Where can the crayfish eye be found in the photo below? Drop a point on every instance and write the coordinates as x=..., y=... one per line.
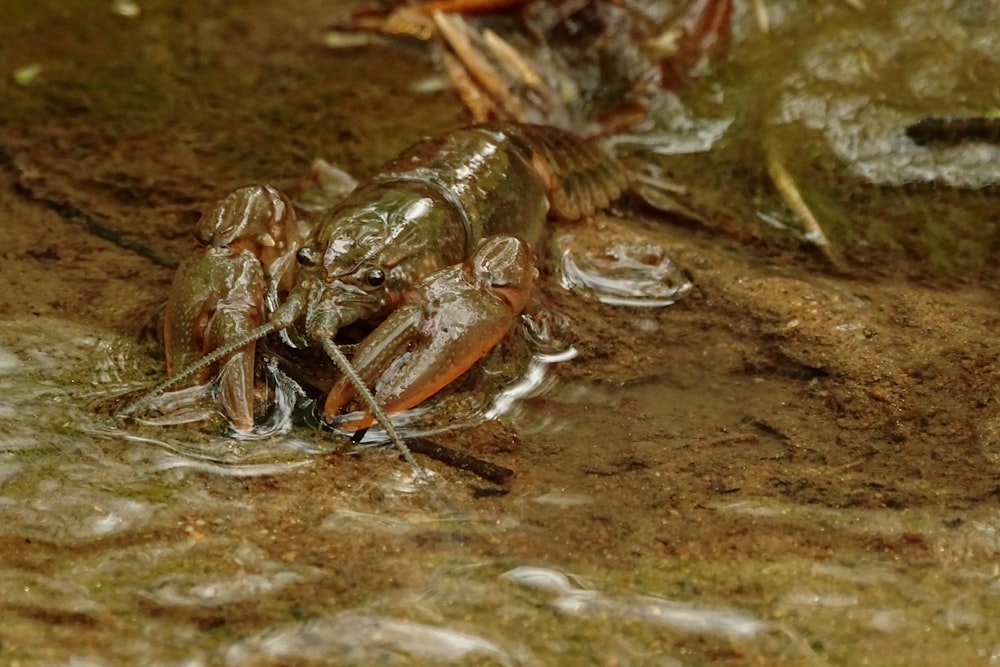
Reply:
x=307, y=257
x=374, y=277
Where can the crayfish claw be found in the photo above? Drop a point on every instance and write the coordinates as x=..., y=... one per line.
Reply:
x=453, y=318
x=236, y=391
x=218, y=299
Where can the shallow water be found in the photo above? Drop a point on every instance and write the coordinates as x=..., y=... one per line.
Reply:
x=113, y=513
x=786, y=466
x=160, y=554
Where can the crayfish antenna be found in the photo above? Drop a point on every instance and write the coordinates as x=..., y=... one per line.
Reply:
x=212, y=357
x=345, y=367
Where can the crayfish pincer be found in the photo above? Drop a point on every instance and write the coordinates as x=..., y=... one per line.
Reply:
x=433, y=258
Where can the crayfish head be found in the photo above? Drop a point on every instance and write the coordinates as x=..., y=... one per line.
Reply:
x=331, y=301
x=385, y=238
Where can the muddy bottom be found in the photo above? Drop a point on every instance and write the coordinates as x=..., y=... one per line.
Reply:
x=791, y=465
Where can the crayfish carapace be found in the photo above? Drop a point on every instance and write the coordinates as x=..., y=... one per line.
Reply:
x=435, y=255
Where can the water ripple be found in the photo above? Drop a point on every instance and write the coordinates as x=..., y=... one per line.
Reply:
x=199, y=591
x=678, y=616
x=365, y=639
x=65, y=513
x=26, y=591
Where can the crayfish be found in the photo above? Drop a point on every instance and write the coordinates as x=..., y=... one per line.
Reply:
x=434, y=258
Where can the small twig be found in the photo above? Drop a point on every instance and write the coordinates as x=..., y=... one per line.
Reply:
x=491, y=472
x=812, y=231
x=456, y=34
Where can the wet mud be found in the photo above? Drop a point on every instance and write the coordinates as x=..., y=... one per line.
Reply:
x=803, y=459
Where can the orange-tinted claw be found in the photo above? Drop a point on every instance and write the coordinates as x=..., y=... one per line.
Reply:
x=452, y=318
x=376, y=354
